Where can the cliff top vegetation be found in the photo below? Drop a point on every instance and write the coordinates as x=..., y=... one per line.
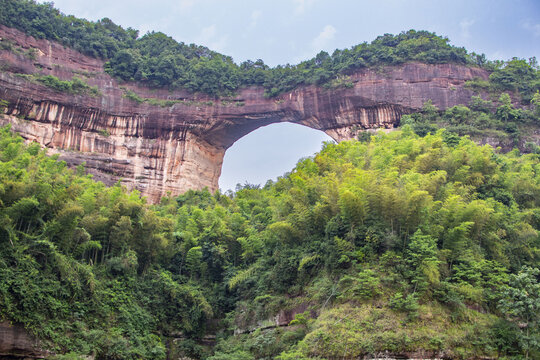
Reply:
x=158, y=60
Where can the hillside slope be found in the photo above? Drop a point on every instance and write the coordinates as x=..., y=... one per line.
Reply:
x=404, y=245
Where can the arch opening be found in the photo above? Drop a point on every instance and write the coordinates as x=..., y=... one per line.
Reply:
x=268, y=152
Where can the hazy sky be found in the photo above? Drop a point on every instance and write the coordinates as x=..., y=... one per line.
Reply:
x=288, y=31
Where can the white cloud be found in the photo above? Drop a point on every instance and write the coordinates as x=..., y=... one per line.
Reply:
x=210, y=37
x=184, y=5
x=465, y=26
x=255, y=16
x=319, y=43
x=534, y=28
x=498, y=55
x=324, y=37
x=302, y=5
x=207, y=34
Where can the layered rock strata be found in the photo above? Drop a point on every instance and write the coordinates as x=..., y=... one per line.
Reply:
x=17, y=343
x=175, y=141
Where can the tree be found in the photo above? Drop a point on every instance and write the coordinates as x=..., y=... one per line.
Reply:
x=506, y=112
x=521, y=303
x=422, y=258
x=534, y=101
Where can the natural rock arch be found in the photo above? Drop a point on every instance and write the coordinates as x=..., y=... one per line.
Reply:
x=177, y=141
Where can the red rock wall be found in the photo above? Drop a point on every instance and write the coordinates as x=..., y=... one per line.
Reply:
x=16, y=342
x=158, y=149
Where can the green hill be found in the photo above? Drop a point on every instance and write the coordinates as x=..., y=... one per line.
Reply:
x=401, y=243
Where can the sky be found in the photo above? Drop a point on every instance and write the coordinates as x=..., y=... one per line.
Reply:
x=289, y=31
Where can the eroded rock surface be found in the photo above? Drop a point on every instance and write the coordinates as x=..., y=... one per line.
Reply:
x=16, y=342
x=176, y=146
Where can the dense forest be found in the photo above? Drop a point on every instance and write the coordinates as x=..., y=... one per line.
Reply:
x=496, y=119
x=398, y=243
x=158, y=60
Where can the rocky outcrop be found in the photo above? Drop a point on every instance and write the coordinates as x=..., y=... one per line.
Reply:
x=17, y=343
x=177, y=140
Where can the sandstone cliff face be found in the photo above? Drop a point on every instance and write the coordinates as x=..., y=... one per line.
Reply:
x=179, y=146
x=16, y=343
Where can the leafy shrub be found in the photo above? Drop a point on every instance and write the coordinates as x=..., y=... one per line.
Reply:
x=363, y=286
x=408, y=305
x=73, y=86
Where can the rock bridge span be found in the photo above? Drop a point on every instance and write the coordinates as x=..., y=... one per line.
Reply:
x=159, y=141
